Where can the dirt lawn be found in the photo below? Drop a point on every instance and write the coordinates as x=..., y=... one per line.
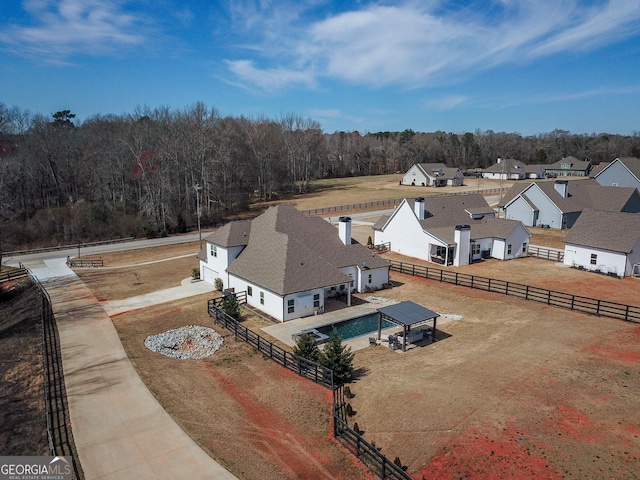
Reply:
x=512, y=389
x=258, y=420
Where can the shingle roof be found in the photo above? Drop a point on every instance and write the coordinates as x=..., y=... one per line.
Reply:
x=488, y=227
x=582, y=194
x=594, y=229
x=445, y=212
x=448, y=210
x=233, y=234
x=431, y=168
x=381, y=221
x=595, y=171
x=632, y=164
x=573, y=162
x=506, y=165
x=289, y=252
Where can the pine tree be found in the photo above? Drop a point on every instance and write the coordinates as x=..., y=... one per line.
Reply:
x=231, y=307
x=338, y=358
x=306, y=347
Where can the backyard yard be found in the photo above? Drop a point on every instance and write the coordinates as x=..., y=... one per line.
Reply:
x=512, y=389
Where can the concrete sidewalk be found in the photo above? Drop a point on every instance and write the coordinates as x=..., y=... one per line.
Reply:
x=120, y=430
x=185, y=290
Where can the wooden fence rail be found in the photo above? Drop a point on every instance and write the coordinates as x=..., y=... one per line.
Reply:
x=591, y=306
x=13, y=275
x=545, y=253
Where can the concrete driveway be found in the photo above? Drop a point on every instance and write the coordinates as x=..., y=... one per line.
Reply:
x=120, y=430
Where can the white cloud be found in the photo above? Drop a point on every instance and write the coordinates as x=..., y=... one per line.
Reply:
x=411, y=44
x=67, y=27
x=446, y=103
x=269, y=79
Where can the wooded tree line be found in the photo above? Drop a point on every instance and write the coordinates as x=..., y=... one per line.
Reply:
x=154, y=170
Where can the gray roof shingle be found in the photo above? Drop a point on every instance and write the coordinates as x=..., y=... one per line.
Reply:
x=288, y=252
x=595, y=229
x=582, y=194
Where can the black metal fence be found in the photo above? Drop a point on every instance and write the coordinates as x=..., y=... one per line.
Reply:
x=59, y=432
x=393, y=202
x=68, y=247
x=301, y=366
x=591, y=306
x=369, y=454
x=73, y=263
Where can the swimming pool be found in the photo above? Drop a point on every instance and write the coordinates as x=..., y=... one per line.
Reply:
x=354, y=327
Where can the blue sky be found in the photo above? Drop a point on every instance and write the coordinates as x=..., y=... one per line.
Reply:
x=526, y=66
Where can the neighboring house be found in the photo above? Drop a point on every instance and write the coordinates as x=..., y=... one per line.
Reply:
x=622, y=172
x=569, y=167
x=591, y=243
x=451, y=230
x=289, y=263
x=558, y=204
x=433, y=175
x=506, y=169
x=535, y=171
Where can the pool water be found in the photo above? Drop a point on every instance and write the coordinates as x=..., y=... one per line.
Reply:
x=354, y=327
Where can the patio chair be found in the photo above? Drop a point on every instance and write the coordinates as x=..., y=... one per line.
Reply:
x=373, y=342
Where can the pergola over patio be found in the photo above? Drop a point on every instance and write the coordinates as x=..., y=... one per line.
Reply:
x=407, y=315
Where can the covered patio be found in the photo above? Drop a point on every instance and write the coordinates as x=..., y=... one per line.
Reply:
x=407, y=315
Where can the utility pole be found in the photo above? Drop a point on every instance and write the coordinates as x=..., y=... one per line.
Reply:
x=197, y=188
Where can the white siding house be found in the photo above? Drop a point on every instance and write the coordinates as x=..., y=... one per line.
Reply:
x=289, y=263
x=454, y=230
x=590, y=245
x=433, y=175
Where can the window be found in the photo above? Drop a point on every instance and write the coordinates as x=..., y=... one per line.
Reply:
x=594, y=259
x=291, y=305
x=509, y=249
x=316, y=300
x=214, y=251
x=475, y=249
x=370, y=276
x=524, y=247
x=441, y=251
x=249, y=290
x=261, y=298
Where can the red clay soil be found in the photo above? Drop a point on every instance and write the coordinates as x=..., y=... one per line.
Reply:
x=294, y=452
x=568, y=433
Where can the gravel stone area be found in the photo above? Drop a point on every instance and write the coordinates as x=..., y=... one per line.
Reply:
x=192, y=342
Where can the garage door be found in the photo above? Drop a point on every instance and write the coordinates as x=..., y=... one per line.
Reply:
x=209, y=275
